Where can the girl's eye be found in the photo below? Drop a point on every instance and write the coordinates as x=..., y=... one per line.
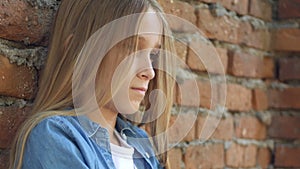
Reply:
x=154, y=55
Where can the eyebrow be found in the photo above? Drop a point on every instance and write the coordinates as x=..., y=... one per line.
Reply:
x=158, y=45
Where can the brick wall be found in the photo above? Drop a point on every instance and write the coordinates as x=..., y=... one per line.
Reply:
x=258, y=44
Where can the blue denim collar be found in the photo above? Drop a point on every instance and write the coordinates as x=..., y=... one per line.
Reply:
x=100, y=134
x=124, y=127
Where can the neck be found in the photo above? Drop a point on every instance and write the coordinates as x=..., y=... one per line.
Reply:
x=107, y=119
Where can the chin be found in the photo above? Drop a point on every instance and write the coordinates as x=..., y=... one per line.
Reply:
x=132, y=108
x=135, y=105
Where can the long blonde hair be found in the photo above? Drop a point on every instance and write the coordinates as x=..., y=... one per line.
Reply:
x=75, y=22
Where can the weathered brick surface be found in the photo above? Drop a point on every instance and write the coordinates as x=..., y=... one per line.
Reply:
x=182, y=10
x=216, y=128
x=286, y=39
x=239, y=98
x=175, y=157
x=284, y=99
x=222, y=28
x=22, y=22
x=260, y=59
x=287, y=156
x=207, y=58
x=16, y=81
x=261, y=9
x=241, y=156
x=288, y=9
x=247, y=65
x=186, y=93
x=179, y=130
x=249, y=127
x=263, y=157
x=259, y=99
x=185, y=96
x=208, y=1
x=285, y=127
x=204, y=156
x=181, y=50
x=289, y=69
x=10, y=119
x=259, y=38
x=240, y=6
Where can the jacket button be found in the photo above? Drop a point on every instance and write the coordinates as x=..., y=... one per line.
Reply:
x=124, y=136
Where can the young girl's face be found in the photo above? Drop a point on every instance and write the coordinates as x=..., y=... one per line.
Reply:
x=129, y=97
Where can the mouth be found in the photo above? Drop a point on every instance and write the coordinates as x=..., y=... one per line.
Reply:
x=140, y=90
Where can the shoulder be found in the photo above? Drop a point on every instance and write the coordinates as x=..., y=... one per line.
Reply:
x=52, y=137
x=54, y=130
x=55, y=125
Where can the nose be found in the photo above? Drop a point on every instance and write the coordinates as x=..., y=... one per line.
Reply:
x=147, y=73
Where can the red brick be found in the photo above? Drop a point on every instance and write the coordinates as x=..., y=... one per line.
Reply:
x=239, y=6
x=22, y=22
x=288, y=9
x=269, y=67
x=223, y=28
x=16, y=81
x=287, y=156
x=180, y=9
x=247, y=65
x=187, y=93
x=10, y=119
x=204, y=156
x=181, y=50
x=224, y=59
x=205, y=94
x=208, y=1
x=261, y=9
x=238, y=98
x=4, y=159
x=188, y=97
x=182, y=127
x=259, y=100
x=286, y=39
x=224, y=129
x=289, y=69
x=241, y=156
x=214, y=58
x=264, y=157
x=284, y=99
x=175, y=157
x=285, y=127
x=259, y=38
x=250, y=128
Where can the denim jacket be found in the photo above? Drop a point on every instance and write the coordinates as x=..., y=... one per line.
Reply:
x=69, y=142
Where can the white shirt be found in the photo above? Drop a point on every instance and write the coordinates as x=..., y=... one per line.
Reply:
x=122, y=155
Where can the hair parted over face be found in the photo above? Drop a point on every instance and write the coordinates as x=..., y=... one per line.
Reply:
x=131, y=70
x=129, y=95
x=144, y=68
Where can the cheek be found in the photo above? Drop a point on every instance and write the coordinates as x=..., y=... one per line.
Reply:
x=125, y=101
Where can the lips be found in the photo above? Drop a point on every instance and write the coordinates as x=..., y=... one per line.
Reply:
x=141, y=90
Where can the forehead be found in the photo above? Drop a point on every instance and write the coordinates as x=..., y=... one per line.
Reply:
x=150, y=28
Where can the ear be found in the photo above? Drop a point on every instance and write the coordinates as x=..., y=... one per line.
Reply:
x=67, y=41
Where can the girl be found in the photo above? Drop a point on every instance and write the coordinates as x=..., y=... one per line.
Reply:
x=65, y=130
